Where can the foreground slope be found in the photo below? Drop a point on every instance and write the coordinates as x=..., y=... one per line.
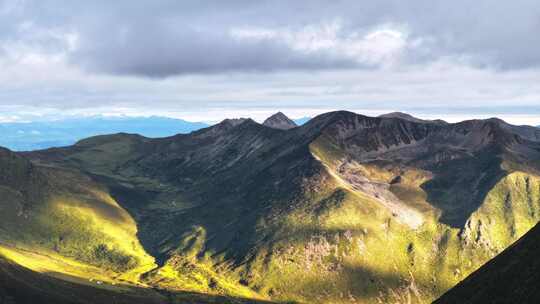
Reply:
x=19, y=285
x=511, y=277
x=346, y=208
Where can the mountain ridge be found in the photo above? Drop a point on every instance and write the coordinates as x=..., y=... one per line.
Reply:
x=406, y=116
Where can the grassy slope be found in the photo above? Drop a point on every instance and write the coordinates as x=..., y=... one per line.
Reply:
x=60, y=222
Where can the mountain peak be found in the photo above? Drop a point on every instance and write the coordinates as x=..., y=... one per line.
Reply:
x=279, y=121
x=409, y=117
x=233, y=122
x=221, y=127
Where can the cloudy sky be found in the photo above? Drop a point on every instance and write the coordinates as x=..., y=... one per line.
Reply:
x=207, y=60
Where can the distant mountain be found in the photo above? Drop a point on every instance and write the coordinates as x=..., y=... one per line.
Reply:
x=279, y=121
x=511, y=277
x=343, y=209
x=46, y=134
x=409, y=117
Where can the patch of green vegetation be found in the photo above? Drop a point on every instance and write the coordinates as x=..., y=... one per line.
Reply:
x=327, y=151
x=510, y=209
x=79, y=223
x=78, y=237
x=192, y=269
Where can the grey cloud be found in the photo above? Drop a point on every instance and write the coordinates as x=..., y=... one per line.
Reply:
x=164, y=38
x=186, y=50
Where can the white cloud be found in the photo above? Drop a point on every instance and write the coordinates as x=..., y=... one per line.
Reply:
x=377, y=46
x=9, y=118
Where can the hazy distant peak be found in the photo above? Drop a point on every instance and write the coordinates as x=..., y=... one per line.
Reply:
x=279, y=121
x=409, y=117
x=401, y=115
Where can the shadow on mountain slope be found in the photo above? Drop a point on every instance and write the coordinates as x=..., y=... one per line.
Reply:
x=511, y=277
x=19, y=285
x=460, y=186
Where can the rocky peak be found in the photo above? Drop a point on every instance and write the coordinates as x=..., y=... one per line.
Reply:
x=279, y=121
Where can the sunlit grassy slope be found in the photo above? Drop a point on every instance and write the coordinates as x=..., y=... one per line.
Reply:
x=71, y=219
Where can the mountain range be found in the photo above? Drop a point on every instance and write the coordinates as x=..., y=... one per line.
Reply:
x=25, y=136
x=345, y=208
x=36, y=135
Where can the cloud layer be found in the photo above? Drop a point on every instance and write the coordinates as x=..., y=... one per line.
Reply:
x=223, y=55
x=165, y=38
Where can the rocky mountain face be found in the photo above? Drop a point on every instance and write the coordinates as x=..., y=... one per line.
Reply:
x=511, y=277
x=343, y=209
x=279, y=121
